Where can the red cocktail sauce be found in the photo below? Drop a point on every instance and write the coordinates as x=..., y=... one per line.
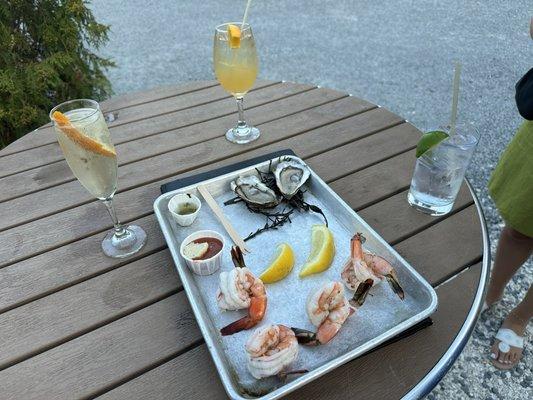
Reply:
x=214, y=248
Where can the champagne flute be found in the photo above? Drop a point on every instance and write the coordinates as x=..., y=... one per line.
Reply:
x=83, y=136
x=235, y=63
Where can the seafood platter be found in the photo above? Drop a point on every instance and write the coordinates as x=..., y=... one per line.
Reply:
x=314, y=286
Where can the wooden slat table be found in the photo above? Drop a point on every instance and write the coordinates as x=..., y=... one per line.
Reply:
x=75, y=324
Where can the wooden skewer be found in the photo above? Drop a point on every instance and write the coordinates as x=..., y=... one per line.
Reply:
x=237, y=239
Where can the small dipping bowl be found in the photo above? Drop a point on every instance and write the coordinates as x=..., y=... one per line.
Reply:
x=209, y=265
x=183, y=201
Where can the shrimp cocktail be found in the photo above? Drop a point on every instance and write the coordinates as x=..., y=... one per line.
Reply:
x=83, y=136
x=235, y=63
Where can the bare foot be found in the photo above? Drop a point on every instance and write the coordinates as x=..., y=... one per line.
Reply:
x=507, y=360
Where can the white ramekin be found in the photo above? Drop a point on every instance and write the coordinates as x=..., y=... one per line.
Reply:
x=208, y=266
x=180, y=198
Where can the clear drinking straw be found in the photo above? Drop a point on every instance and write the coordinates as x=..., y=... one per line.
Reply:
x=455, y=97
x=245, y=14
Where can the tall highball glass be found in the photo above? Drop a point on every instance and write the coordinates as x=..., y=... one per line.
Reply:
x=439, y=172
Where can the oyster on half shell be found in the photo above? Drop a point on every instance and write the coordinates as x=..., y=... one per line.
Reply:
x=254, y=192
x=290, y=174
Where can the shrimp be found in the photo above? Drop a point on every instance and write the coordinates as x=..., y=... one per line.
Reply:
x=270, y=350
x=364, y=270
x=240, y=289
x=328, y=309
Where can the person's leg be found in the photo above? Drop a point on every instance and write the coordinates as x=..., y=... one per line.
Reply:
x=513, y=250
x=517, y=321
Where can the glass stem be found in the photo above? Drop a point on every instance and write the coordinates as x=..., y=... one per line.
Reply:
x=240, y=106
x=119, y=229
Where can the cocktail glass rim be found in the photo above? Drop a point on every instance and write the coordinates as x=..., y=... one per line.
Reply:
x=463, y=126
x=223, y=28
x=467, y=128
x=81, y=118
x=462, y=129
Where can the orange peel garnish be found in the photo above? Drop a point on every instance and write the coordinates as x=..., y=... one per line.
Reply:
x=76, y=136
x=234, y=34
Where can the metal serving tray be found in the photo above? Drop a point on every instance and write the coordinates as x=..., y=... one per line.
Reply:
x=382, y=317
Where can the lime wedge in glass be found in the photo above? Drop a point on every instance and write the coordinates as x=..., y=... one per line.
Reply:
x=430, y=140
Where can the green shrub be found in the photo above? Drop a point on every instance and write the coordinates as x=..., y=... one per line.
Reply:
x=46, y=57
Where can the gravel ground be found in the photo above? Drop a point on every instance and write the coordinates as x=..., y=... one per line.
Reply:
x=398, y=54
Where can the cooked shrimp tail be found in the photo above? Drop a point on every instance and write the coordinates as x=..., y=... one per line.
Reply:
x=305, y=337
x=256, y=313
x=356, y=249
x=360, y=294
x=237, y=257
x=283, y=374
x=395, y=285
x=237, y=326
x=383, y=268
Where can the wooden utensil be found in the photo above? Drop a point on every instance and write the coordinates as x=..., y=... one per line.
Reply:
x=237, y=239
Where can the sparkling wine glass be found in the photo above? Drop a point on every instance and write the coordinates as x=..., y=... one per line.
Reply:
x=235, y=63
x=83, y=136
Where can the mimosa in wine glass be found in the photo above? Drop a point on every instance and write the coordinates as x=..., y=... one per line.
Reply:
x=83, y=136
x=235, y=63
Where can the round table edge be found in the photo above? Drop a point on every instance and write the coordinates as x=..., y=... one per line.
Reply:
x=434, y=376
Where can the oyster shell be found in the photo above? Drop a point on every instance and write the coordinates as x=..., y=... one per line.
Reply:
x=290, y=176
x=254, y=192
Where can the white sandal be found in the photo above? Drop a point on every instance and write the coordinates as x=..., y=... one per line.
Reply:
x=508, y=338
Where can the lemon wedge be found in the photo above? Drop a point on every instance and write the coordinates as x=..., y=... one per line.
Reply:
x=82, y=140
x=281, y=266
x=234, y=34
x=322, y=251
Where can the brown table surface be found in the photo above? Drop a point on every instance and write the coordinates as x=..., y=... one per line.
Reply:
x=75, y=324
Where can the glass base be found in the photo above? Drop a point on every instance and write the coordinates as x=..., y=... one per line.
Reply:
x=123, y=246
x=431, y=209
x=243, y=135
